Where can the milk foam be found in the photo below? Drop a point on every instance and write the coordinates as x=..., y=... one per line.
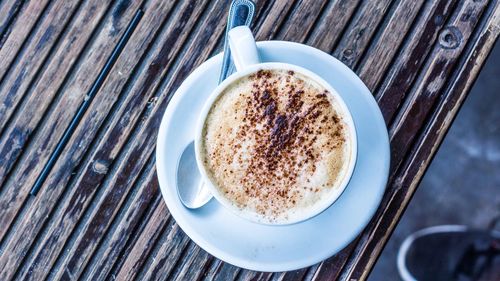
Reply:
x=276, y=145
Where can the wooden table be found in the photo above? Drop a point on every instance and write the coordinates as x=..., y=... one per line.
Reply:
x=99, y=214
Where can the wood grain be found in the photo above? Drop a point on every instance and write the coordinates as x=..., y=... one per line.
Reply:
x=11, y=10
x=360, y=30
x=19, y=78
x=329, y=27
x=331, y=268
x=273, y=20
x=451, y=42
x=400, y=77
x=97, y=170
x=387, y=44
x=431, y=137
x=15, y=192
x=399, y=192
x=15, y=189
x=120, y=234
x=301, y=20
x=19, y=32
x=141, y=249
x=100, y=214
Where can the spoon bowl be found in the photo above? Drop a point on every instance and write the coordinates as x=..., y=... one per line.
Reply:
x=190, y=186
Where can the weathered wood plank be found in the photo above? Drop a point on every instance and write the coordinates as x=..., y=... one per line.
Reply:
x=91, y=177
x=8, y=13
x=330, y=269
x=163, y=260
x=311, y=271
x=301, y=20
x=395, y=184
x=212, y=269
x=21, y=128
x=299, y=274
x=20, y=76
x=125, y=163
x=15, y=192
x=361, y=29
x=136, y=155
x=386, y=45
x=83, y=20
x=141, y=249
x=421, y=99
x=224, y=272
x=412, y=171
x=139, y=211
x=247, y=275
x=86, y=20
x=273, y=19
x=384, y=203
x=123, y=174
x=18, y=34
x=97, y=226
x=127, y=248
x=71, y=263
x=400, y=77
x=330, y=27
x=262, y=9
x=192, y=265
x=146, y=192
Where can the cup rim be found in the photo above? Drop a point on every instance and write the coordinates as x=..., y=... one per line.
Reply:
x=324, y=204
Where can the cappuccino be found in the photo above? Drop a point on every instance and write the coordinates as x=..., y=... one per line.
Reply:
x=275, y=144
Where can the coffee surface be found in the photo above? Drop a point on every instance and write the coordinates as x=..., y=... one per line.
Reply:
x=275, y=144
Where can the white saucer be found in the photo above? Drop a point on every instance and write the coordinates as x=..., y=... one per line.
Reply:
x=278, y=248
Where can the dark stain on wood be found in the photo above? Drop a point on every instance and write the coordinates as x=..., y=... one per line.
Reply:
x=45, y=37
x=118, y=11
x=8, y=18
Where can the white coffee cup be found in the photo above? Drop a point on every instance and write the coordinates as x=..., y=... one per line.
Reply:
x=246, y=59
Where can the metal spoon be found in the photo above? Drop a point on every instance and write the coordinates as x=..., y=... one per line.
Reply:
x=190, y=186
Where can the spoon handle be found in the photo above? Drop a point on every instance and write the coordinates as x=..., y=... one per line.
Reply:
x=241, y=12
